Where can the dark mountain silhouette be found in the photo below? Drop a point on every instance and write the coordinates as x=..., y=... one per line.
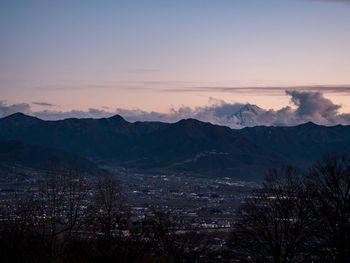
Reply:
x=188, y=146
x=203, y=148
x=303, y=143
x=96, y=138
x=16, y=154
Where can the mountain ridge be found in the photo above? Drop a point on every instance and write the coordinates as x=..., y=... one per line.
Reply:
x=188, y=146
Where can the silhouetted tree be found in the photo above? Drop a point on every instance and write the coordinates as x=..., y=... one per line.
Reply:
x=109, y=208
x=60, y=208
x=329, y=189
x=159, y=229
x=276, y=222
x=48, y=212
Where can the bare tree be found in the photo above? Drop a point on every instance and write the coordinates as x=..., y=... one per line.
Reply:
x=59, y=207
x=108, y=208
x=276, y=222
x=329, y=187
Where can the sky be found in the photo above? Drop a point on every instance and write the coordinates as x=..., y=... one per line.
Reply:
x=163, y=56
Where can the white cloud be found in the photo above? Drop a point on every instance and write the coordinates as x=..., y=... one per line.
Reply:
x=10, y=109
x=307, y=106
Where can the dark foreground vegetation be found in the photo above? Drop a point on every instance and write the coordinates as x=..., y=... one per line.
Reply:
x=294, y=217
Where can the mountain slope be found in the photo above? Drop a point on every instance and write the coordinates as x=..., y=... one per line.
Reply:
x=20, y=154
x=303, y=143
x=188, y=146
x=95, y=138
x=194, y=146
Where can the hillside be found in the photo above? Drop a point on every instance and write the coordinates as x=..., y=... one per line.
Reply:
x=188, y=146
x=16, y=154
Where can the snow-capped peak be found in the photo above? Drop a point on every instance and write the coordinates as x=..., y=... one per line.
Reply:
x=247, y=115
x=251, y=108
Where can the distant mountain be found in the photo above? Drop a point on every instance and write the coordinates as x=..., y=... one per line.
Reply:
x=247, y=116
x=188, y=146
x=95, y=138
x=303, y=143
x=16, y=154
x=196, y=147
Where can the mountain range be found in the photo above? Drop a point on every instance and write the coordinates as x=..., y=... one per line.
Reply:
x=188, y=146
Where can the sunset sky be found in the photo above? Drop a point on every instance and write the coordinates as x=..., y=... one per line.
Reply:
x=157, y=55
